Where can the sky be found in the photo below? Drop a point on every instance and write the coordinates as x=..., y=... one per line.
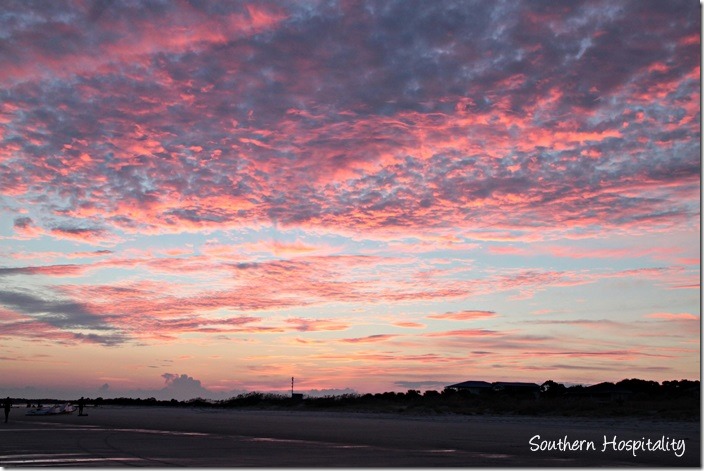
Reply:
x=199, y=199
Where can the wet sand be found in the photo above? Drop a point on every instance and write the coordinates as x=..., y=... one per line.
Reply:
x=175, y=437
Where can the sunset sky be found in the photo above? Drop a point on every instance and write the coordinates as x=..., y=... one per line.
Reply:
x=204, y=198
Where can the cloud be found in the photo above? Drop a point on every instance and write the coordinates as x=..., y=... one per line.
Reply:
x=24, y=226
x=91, y=41
x=410, y=325
x=612, y=354
x=464, y=315
x=183, y=387
x=427, y=138
x=253, y=169
x=369, y=338
x=53, y=318
x=670, y=316
x=86, y=235
x=225, y=305
x=50, y=270
x=306, y=325
x=465, y=333
x=56, y=312
x=584, y=323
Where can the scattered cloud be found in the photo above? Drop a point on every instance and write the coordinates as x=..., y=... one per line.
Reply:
x=305, y=325
x=670, y=316
x=464, y=315
x=264, y=175
x=369, y=338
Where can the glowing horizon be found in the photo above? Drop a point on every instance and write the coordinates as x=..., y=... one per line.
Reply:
x=368, y=196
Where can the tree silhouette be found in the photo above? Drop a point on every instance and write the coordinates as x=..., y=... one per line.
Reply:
x=551, y=389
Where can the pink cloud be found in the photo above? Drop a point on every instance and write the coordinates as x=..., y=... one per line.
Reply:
x=510, y=250
x=190, y=30
x=309, y=325
x=465, y=333
x=83, y=234
x=464, y=315
x=49, y=270
x=669, y=316
x=25, y=227
x=612, y=354
x=370, y=338
x=410, y=325
x=396, y=183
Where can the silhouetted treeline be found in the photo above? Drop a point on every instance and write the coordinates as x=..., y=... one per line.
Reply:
x=629, y=397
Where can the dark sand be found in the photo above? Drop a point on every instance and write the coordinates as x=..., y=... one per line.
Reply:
x=175, y=437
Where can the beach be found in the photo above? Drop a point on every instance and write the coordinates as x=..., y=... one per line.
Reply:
x=205, y=437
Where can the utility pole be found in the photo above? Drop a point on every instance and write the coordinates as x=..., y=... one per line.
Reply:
x=291, y=386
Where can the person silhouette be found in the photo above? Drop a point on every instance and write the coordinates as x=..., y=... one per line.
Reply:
x=7, y=406
x=81, y=403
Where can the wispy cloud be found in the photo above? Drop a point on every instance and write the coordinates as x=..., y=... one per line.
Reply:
x=464, y=315
x=305, y=325
x=671, y=316
x=369, y=338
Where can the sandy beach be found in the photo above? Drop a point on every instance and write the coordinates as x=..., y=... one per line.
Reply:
x=156, y=436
